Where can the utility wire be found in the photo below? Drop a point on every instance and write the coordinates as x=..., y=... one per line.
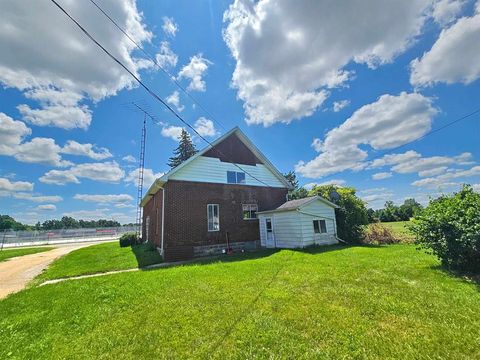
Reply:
x=477, y=111
x=151, y=92
x=154, y=60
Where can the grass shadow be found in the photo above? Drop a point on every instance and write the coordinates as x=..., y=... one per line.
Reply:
x=468, y=277
x=146, y=254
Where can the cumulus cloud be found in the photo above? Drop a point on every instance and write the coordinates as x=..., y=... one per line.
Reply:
x=376, y=197
x=129, y=158
x=57, y=66
x=339, y=105
x=74, y=148
x=173, y=132
x=148, y=177
x=289, y=56
x=105, y=199
x=194, y=72
x=442, y=63
x=446, y=11
x=169, y=26
x=104, y=172
x=174, y=99
x=12, y=186
x=387, y=123
x=381, y=175
x=166, y=57
x=338, y=182
x=450, y=178
x=205, y=127
x=46, y=207
x=37, y=198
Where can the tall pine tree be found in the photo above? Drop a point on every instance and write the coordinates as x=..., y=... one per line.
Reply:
x=185, y=150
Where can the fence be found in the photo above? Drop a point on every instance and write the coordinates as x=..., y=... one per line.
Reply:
x=10, y=238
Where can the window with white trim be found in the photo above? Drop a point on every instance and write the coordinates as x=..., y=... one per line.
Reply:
x=213, y=217
x=249, y=211
x=235, y=177
x=319, y=227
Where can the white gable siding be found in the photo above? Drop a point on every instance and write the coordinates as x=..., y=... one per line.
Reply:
x=212, y=170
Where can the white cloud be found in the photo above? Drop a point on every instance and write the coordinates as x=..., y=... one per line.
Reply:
x=74, y=148
x=37, y=198
x=103, y=172
x=387, y=123
x=57, y=66
x=194, y=72
x=40, y=151
x=205, y=127
x=169, y=26
x=148, y=177
x=446, y=11
x=455, y=56
x=476, y=187
x=12, y=186
x=376, y=197
x=289, y=56
x=104, y=199
x=129, y=158
x=172, y=132
x=450, y=178
x=166, y=57
x=339, y=105
x=381, y=175
x=338, y=182
x=174, y=99
x=46, y=207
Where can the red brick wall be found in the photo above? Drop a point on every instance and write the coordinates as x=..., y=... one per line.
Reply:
x=186, y=211
x=153, y=209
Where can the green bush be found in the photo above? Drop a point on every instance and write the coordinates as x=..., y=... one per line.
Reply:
x=378, y=234
x=450, y=227
x=128, y=239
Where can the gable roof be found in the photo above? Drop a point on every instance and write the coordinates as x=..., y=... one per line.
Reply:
x=245, y=140
x=298, y=203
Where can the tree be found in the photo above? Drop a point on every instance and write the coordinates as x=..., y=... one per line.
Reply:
x=409, y=209
x=351, y=214
x=297, y=192
x=450, y=227
x=184, y=151
x=9, y=223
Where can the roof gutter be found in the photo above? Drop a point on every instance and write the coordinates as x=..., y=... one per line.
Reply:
x=157, y=185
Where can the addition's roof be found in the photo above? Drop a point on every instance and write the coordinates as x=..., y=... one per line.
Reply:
x=298, y=203
x=157, y=185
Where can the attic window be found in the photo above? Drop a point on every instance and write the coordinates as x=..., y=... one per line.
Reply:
x=235, y=177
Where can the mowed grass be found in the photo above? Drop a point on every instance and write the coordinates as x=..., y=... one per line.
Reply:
x=336, y=302
x=399, y=227
x=100, y=258
x=10, y=253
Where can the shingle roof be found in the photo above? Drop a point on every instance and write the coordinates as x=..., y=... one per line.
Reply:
x=295, y=204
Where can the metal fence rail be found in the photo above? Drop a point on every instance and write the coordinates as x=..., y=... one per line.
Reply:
x=10, y=238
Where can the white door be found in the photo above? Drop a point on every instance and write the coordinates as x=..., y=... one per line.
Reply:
x=269, y=230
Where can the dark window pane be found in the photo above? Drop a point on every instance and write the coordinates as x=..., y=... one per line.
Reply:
x=316, y=227
x=268, y=223
x=323, y=226
x=240, y=178
x=231, y=177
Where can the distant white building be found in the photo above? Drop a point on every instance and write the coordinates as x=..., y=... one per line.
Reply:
x=299, y=223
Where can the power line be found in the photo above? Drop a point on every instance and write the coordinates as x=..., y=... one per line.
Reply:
x=154, y=60
x=431, y=132
x=151, y=92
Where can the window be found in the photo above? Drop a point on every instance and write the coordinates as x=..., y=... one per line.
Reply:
x=234, y=177
x=268, y=223
x=213, y=218
x=319, y=227
x=249, y=211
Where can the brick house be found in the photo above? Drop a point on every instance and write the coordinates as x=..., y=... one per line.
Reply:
x=211, y=199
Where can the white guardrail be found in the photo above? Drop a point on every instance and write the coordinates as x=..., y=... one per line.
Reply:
x=9, y=238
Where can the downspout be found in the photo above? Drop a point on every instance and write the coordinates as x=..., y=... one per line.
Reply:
x=163, y=219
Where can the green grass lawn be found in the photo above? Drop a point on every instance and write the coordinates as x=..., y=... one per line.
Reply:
x=100, y=258
x=399, y=227
x=9, y=253
x=337, y=302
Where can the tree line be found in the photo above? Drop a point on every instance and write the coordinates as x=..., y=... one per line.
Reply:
x=9, y=223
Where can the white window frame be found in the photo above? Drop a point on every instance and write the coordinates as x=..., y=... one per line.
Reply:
x=249, y=208
x=213, y=220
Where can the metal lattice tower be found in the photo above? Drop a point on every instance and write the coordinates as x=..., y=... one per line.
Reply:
x=141, y=170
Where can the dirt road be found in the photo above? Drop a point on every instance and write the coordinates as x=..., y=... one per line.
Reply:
x=16, y=272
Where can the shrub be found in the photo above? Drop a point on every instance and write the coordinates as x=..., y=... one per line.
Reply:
x=378, y=234
x=128, y=239
x=450, y=227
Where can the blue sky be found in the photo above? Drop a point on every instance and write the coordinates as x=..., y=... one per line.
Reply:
x=337, y=92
